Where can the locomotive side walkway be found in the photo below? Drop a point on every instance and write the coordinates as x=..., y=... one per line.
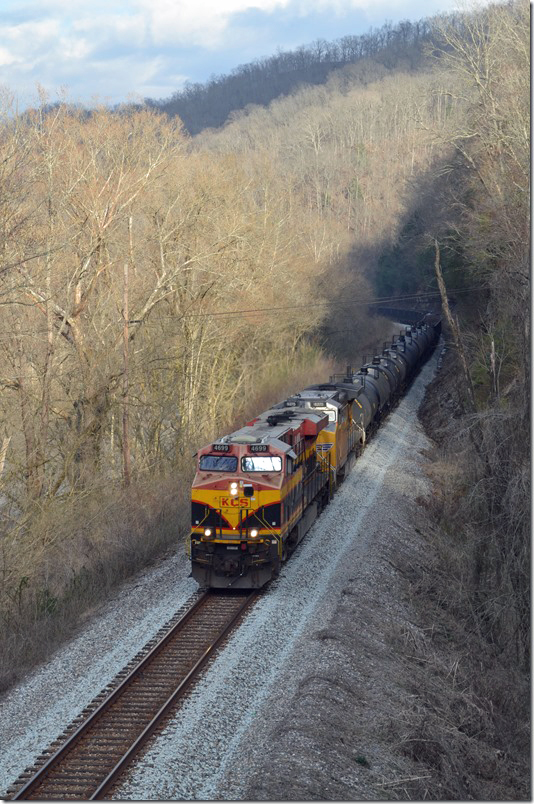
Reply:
x=297, y=706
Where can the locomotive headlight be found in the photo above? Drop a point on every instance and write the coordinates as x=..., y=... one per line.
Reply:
x=233, y=488
x=253, y=533
x=207, y=532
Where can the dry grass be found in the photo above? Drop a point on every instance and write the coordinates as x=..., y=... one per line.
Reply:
x=482, y=501
x=466, y=715
x=71, y=553
x=464, y=720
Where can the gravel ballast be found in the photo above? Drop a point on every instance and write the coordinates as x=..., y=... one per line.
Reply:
x=296, y=706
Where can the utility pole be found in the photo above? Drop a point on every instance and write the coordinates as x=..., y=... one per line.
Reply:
x=125, y=386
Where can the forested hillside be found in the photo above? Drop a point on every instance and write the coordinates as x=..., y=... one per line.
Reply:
x=159, y=288
x=388, y=48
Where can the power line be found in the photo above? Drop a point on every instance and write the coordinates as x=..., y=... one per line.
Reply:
x=354, y=302
x=351, y=302
x=347, y=303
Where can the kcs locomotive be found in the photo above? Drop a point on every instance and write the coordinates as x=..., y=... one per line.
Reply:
x=258, y=490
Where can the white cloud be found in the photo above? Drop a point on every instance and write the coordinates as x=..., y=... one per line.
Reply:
x=118, y=28
x=29, y=34
x=198, y=22
x=72, y=48
x=6, y=57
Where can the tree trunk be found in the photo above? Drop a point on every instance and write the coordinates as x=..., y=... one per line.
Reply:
x=455, y=330
x=126, y=410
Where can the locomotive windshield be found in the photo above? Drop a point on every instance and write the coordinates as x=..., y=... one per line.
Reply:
x=261, y=463
x=218, y=463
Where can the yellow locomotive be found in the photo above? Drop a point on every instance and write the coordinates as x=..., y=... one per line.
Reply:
x=255, y=494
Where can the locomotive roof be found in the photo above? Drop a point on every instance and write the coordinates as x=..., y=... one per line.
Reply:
x=315, y=393
x=311, y=398
x=272, y=424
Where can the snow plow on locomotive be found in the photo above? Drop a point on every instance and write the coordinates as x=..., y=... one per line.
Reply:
x=258, y=490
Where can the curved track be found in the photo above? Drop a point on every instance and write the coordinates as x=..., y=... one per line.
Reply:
x=92, y=758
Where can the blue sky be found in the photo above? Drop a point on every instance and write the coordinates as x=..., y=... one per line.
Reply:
x=120, y=50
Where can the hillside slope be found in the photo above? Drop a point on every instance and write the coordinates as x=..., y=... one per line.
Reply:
x=210, y=105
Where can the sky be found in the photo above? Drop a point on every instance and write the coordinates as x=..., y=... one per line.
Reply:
x=115, y=51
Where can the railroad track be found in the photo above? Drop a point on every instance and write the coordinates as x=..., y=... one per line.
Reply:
x=96, y=751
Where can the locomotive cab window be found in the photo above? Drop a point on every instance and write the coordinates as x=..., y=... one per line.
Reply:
x=261, y=463
x=218, y=463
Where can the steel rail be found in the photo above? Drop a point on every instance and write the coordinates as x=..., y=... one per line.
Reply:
x=72, y=741
x=167, y=706
x=114, y=695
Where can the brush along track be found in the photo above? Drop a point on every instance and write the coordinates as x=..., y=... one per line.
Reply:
x=95, y=754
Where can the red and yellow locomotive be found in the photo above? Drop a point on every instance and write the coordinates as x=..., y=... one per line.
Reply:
x=255, y=494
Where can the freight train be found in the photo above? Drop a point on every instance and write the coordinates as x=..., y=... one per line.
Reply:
x=258, y=490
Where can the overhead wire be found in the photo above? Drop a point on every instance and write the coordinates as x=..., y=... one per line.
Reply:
x=348, y=303
x=354, y=302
